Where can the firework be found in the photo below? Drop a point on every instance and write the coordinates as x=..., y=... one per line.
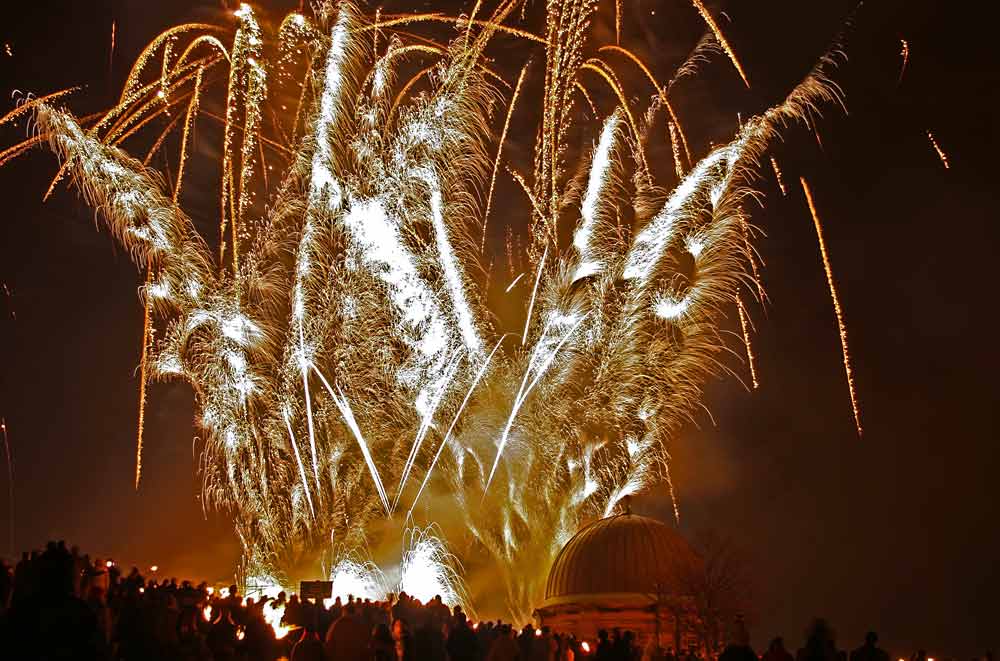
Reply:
x=904, y=53
x=937, y=150
x=10, y=486
x=714, y=27
x=111, y=51
x=336, y=332
x=778, y=176
x=745, y=327
x=841, y=326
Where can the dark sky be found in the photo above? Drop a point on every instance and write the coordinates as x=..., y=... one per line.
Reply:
x=897, y=531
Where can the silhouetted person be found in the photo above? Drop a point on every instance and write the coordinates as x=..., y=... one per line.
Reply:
x=605, y=650
x=402, y=640
x=776, y=651
x=504, y=647
x=525, y=642
x=51, y=622
x=462, y=642
x=738, y=648
x=308, y=648
x=870, y=650
x=347, y=639
x=381, y=647
x=820, y=645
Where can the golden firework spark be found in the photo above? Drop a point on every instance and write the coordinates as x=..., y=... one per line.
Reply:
x=904, y=52
x=745, y=327
x=496, y=161
x=778, y=176
x=937, y=149
x=841, y=326
x=714, y=27
x=143, y=376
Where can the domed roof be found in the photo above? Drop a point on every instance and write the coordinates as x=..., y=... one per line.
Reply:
x=623, y=554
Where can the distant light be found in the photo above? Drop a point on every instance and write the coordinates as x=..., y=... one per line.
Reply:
x=210, y=591
x=161, y=94
x=154, y=568
x=538, y=633
x=585, y=646
x=109, y=564
x=142, y=590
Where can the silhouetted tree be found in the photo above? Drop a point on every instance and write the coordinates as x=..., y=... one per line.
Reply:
x=720, y=586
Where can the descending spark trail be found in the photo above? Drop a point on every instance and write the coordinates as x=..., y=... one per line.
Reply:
x=714, y=27
x=298, y=461
x=513, y=283
x=451, y=428
x=745, y=327
x=937, y=149
x=348, y=415
x=143, y=375
x=10, y=487
x=778, y=176
x=111, y=52
x=904, y=52
x=503, y=138
x=522, y=395
x=534, y=293
x=836, y=304
x=351, y=249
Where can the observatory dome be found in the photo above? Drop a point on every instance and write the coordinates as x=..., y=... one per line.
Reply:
x=622, y=555
x=622, y=571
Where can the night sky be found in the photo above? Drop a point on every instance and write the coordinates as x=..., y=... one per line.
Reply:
x=896, y=531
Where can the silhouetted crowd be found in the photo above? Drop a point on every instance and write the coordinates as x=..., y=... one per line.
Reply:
x=59, y=604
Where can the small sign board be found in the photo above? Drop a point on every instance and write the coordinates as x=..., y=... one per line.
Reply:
x=315, y=590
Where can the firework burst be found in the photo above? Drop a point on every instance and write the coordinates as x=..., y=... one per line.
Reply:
x=347, y=366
